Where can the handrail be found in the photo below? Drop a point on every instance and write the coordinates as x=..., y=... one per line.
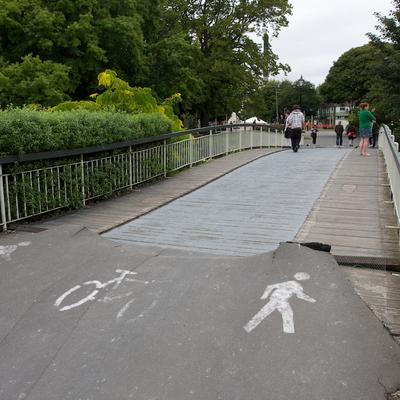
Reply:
x=47, y=155
x=390, y=149
x=393, y=144
x=38, y=190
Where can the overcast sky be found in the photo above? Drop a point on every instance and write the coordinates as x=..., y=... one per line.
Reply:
x=320, y=31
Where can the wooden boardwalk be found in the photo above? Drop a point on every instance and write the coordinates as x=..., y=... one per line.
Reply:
x=107, y=214
x=354, y=213
x=248, y=212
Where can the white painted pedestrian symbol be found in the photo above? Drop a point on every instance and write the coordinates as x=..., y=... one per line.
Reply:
x=279, y=300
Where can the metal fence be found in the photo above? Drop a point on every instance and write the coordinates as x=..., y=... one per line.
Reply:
x=32, y=192
x=390, y=149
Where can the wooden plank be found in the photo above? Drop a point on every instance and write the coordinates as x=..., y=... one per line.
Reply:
x=352, y=214
x=249, y=211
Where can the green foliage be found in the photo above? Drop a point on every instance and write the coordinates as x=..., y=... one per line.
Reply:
x=199, y=49
x=24, y=131
x=386, y=91
x=118, y=96
x=174, y=62
x=262, y=102
x=230, y=64
x=87, y=36
x=351, y=77
x=77, y=105
x=33, y=81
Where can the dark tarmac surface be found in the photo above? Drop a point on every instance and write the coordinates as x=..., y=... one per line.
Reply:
x=176, y=329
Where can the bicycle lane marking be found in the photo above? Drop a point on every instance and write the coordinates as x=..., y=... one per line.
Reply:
x=99, y=285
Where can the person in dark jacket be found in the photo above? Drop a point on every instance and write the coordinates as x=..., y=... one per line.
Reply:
x=339, y=133
x=375, y=134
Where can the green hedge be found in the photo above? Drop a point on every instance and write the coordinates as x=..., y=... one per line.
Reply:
x=25, y=131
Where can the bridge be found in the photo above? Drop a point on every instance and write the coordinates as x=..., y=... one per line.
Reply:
x=200, y=243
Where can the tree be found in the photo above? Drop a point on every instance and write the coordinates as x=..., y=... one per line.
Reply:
x=87, y=36
x=231, y=64
x=386, y=90
x=33, y=81
x=173, y=68
x=351, y=77
x=262, y=102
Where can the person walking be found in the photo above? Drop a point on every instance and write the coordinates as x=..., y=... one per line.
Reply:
x=366, y=119
x=339, y=134
x=375, y=134
x=286, y=141
x=295, y=122
x=314, y=133
x=351, y=133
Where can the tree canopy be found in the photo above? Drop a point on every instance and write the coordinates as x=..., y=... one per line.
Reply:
x=351, y=77
x=262, y=102
x=204, y=49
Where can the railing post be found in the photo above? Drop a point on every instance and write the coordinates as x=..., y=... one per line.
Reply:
x=210, y=144
x=130, y=168
x=226, y=143
x=2, y=201
x=261, y=132
x=240, y=139
x=251, y=138
x=165, y=158
x=83, y=180
x=191, y=151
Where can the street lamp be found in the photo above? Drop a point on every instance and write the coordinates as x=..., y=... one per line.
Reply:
x=300, y=84
x=276, y=104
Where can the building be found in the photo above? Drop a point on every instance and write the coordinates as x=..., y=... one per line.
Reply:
x=332, y=114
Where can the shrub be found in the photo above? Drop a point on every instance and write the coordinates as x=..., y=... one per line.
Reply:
x=26, y=131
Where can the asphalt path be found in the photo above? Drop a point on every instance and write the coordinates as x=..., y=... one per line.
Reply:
x=83, y=318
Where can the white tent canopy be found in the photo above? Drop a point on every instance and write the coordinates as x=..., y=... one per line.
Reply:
x=256, y=119
x=234, y=119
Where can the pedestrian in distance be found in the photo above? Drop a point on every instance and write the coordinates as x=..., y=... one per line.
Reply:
x=339, y=134
x=351, y=133
x=287, y=141
x=314, y=133
x=295, y=122
x=375, y=134
x=366, y=119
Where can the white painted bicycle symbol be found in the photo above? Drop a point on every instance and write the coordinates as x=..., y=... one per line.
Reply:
x=99, y=287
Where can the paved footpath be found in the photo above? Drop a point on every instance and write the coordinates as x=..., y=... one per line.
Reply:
x=86, y=318
x=83, y=318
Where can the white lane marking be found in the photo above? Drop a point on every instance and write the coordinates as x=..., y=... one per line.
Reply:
x=116, y=282
x=279, y=300
x=124, y=309
x=24, y=244
x=141, y=315
x=110, y=299
x=7, y=250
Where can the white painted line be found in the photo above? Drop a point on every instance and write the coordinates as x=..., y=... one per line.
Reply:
x=279, y=300
x=124, y=309
x=142, y=314
x=6, y=251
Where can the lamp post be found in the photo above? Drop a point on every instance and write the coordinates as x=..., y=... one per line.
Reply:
x=276, y=105
x=300, y=84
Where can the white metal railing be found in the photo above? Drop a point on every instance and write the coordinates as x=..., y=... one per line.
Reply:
x=28, y=193
x=390, y=150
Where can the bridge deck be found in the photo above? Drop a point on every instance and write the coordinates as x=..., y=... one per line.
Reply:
x=353, y=213
x=248, y=212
